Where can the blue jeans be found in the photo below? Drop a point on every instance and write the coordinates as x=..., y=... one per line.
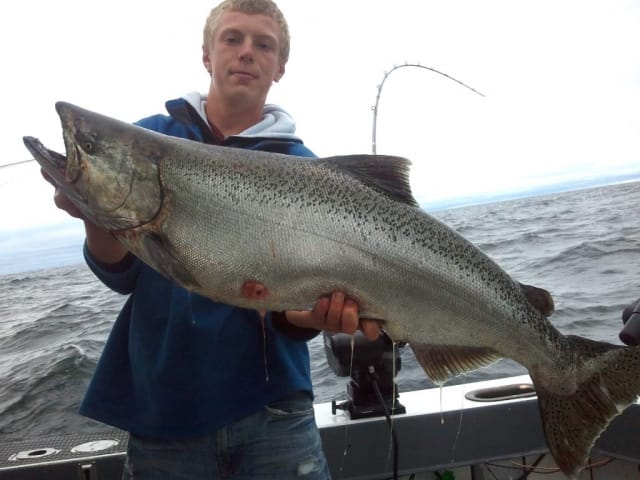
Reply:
x=279, y=442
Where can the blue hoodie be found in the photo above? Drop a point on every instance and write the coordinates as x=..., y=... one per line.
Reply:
x=178, y=365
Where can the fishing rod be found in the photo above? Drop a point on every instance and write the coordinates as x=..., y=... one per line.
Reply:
x=384, y=79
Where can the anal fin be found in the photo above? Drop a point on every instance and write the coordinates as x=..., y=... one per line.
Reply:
x=441, y=362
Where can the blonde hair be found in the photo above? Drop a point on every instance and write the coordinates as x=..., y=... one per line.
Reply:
x=251, y=7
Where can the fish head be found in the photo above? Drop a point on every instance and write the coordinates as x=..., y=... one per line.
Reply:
x=110, y=171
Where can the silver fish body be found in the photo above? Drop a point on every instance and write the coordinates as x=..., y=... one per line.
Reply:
x=275, y=232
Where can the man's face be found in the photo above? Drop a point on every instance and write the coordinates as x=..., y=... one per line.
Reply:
x=244, y=56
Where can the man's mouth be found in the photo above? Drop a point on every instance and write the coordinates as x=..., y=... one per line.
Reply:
x=243, y=74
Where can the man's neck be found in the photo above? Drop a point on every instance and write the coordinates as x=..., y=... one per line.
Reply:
x=231, y=118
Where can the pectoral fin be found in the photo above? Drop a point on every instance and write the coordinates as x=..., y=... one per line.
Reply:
x=159, y=253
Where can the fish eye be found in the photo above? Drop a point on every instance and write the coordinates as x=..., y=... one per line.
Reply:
x=86, y=142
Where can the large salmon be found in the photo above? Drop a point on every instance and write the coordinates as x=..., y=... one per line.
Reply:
x=274, y=232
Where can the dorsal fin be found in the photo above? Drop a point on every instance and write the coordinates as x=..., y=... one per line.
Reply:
x=539, y=298
x=387, y=174
x=441, y=362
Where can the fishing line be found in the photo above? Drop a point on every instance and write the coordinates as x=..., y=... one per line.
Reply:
x=353, y=348
x=394, y=437
x=346, y=427
x=264, y=347
x=19, y=162
x=455, y=442
x=394, y=387
x=441, y=411
x=393, y=396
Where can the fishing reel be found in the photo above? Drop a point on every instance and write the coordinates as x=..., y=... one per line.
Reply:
x=372, y=366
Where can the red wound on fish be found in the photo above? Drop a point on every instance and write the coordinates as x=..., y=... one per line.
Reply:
x=254, y=290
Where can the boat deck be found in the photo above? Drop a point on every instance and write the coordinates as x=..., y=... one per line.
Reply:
x=442, y=430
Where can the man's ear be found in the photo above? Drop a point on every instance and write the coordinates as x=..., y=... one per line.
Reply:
x=206, y=61
x=279, y=73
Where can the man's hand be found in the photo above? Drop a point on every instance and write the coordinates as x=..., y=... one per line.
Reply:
x=335, y=314
x=102, y=245
x=61, y=200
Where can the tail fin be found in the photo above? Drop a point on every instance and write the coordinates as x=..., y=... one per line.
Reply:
x=610, y=383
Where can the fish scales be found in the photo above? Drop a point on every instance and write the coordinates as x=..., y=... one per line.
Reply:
x=372, y=230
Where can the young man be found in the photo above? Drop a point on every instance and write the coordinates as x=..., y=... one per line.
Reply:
x=208, y=390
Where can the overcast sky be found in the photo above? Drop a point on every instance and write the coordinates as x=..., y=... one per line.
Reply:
x=561, y=79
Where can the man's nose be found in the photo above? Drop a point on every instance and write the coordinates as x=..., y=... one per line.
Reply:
x=246, y=51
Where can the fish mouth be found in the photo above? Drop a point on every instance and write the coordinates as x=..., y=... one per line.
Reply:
x=53, y=163
x=110, y=188
x=56, y=169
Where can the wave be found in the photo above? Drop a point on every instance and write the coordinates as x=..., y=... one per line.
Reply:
x=592, y=250
x=45, y=385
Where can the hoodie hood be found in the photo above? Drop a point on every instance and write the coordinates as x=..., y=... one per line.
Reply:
x=275, y=123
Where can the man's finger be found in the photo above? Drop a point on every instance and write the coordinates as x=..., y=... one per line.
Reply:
x=349, y=322
x=63, y=203
x=370, y=328
x=321, y=307
x=47, y=177
x=334, y=314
